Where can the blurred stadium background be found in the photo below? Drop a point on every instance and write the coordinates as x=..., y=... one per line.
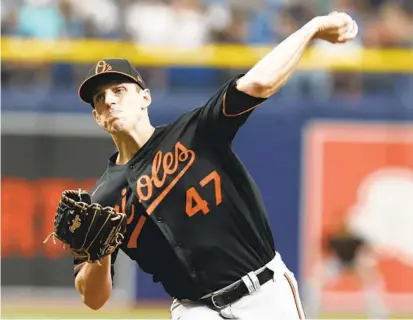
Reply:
x=346, y=115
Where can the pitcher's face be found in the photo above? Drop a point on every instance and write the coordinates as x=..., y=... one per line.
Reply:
x=119, y=106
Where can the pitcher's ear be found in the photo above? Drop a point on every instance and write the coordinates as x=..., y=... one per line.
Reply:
x=147, y=97
x=96, y=116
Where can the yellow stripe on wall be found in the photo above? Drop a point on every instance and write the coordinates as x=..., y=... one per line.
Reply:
x=222, y=56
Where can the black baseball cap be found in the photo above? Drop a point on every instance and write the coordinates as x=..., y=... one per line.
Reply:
x=110, y=69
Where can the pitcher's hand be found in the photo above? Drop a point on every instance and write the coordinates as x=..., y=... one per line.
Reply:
x=337, y=27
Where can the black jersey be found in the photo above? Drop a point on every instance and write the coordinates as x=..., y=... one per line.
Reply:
x=196, y=220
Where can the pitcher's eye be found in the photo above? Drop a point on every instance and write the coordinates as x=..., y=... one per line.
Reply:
x=98, y=98
x=119, y=90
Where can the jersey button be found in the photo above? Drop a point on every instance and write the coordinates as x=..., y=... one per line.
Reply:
x=178, y=245
x=131, y=167
x=159, y=219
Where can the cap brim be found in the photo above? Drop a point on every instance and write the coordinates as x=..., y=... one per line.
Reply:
x=88, y=87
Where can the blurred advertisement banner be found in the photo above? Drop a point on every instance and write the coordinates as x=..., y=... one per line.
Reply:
x=360, y=175
x=35, y=170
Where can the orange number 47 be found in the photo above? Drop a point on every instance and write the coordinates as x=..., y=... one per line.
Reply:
x=194, y=201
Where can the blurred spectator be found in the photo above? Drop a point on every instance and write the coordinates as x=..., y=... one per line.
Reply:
x=235, y=29
x=260, y=21
x=396, y=25
x=190, y=23
x=73, y=27
x=179, y=23
x=40, y=19
x=102, y=17
x=8, y=11
x=225, y=23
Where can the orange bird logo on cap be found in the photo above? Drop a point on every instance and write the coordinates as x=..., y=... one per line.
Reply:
x=102, y=66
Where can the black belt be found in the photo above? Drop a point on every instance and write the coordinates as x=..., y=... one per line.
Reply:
x=235, y=291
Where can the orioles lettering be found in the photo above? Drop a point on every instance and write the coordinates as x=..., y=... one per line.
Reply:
x=164, y=165
x=122, y=207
